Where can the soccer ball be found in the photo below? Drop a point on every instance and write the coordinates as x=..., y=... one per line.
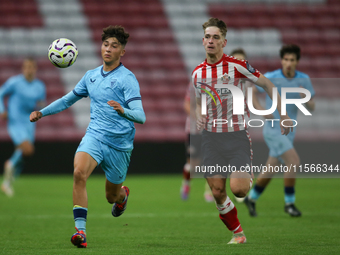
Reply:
x=62, y=53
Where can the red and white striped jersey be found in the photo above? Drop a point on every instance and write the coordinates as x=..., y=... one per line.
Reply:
x=228, y=71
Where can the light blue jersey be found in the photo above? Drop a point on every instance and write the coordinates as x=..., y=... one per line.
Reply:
x=109, y=136
x=106, y=124
x=23, y=99
x=279, y=80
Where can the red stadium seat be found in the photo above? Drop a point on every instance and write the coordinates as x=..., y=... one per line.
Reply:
x=282, y=23
x=331, y=36
x=310, y=36
x=291, y=36
x=326, y=23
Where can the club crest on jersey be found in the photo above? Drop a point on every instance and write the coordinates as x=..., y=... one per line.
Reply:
x=113, y=82
x=225, y=78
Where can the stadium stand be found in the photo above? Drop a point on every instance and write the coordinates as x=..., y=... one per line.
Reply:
x=154, y=57
x=163, y=49
x=316, y=28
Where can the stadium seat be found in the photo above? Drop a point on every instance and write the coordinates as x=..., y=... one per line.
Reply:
x=326, y=22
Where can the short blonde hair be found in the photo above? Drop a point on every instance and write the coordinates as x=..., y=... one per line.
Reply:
x=215, y=22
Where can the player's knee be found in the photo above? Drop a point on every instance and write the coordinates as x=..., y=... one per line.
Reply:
x=296, y=161
x=27, y=150
x=218, y=192
x=79, y=175
x=240, y=188
x=240, y=192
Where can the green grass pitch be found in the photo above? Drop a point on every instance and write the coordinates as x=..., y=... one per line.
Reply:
x=39, y=219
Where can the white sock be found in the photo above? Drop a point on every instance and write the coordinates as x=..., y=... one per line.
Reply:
x=187, y=167
x=226, y=207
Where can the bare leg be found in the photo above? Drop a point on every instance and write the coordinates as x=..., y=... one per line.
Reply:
x=84, y=165
x=27, y=148
x=264, y=177
x=114, y=192
x=240, y=183
x=217, y=186
x=226, y=208
x=291, y=159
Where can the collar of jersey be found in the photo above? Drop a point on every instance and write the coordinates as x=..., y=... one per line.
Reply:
x=216, y=62
x=289, y=79
x=106, y=74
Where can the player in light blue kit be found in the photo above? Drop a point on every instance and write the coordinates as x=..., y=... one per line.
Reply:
x=281, y=148
x=115, y=105
x=25, y=94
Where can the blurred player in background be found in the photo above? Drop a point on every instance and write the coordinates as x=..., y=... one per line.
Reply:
x=281, y=148
x=115, y=106
x=225, y=144
x=240, y=53
x=26, y=93
x=193, y=146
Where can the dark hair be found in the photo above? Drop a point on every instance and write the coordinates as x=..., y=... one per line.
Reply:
x=117, y=32
x=238, y=51
x=290, y=49
x=30, y=58
x=215, y=22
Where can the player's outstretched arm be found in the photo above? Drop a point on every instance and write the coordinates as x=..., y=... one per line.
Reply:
x=268, y=86
x=57, y=106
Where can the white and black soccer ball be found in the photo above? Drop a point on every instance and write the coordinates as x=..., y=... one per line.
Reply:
x=62, y=53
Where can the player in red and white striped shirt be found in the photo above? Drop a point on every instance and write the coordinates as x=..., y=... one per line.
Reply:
x=225, y=144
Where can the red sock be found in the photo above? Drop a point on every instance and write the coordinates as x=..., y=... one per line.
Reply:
x=231, y=221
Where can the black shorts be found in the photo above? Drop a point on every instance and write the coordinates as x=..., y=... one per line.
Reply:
x=226, y=152
x=193, y=146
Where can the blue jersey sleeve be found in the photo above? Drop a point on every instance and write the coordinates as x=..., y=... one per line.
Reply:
x=131, y=89
x=135, y=113
x=60, y=104
x=80, y=89
x=6, y=89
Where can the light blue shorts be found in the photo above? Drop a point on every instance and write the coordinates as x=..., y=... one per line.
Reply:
x=278, y=144
x=114, y=162
x=20, y=132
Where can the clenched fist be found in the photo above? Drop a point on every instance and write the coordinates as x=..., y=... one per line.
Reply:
x=35, y=116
